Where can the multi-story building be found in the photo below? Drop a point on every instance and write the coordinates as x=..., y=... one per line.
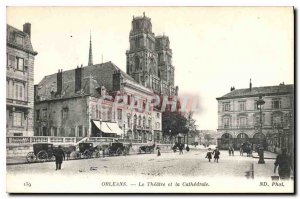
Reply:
x=93, y=101
x=149, y=58
x=239, y=117
x=19, y=81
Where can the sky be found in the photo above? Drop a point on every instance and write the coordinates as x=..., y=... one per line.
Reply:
x=214, y=48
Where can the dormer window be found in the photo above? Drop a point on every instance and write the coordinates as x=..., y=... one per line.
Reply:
x=19, y=40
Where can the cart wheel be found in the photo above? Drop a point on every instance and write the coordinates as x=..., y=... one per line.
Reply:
x=97, y=155
x=30, y=157
x=42, y=156
x=119, y=151
x=86, y=154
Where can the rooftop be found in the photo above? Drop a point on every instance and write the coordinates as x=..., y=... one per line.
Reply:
x=257, y=91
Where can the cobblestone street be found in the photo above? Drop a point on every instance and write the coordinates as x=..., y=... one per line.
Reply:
x=192, y=163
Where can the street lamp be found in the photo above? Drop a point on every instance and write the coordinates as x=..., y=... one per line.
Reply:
x=259, y=103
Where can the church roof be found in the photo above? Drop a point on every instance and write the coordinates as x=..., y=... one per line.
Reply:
x=257, y=91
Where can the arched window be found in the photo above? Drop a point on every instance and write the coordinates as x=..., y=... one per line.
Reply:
x=144, y=121
x=140, y=120
x=135, y=120
x=137, y=63
x=226, y=136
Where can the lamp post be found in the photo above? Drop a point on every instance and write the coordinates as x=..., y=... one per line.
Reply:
x=259, y=103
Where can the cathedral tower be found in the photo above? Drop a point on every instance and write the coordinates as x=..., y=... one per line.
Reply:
x=90, y=63
x=141, y=56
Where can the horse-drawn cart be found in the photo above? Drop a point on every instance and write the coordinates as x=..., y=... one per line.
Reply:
x=41, y=152
x=147, y=148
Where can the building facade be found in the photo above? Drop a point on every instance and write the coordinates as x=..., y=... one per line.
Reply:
x=95, y=101
x=239, y=117
x=19, y=81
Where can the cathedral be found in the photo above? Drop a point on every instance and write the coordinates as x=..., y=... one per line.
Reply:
x=149, y=58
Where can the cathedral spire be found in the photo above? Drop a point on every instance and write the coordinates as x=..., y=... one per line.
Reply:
x=90, y=52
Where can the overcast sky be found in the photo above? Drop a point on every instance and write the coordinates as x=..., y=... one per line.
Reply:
x=213, y=48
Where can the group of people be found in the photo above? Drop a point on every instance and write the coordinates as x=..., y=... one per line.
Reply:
x=216, y=154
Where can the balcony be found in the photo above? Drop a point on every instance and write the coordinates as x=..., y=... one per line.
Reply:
x=15, y=102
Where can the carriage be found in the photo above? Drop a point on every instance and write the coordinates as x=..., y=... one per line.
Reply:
x=117, y=148
x=147, y=148
x=246, y=147
x=87, y=150
x=41, y=152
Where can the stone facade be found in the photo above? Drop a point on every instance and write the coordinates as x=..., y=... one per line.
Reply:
x=149, y=58
x=19, y=81
x=239, y=115
x=67, y=103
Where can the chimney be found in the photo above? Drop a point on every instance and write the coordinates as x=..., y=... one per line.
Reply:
x=59, y=82
x=27, y=29
x=78, y=75
x=250, y=86
x=117, y=80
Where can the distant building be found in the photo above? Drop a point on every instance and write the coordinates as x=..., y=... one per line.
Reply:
x=239, y=117
x=19, y=81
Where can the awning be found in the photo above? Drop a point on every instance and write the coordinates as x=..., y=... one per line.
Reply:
x=114, y=127
x=108, y=127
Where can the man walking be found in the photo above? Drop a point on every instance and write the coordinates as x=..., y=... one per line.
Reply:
x=59, y=157
x=284, y=165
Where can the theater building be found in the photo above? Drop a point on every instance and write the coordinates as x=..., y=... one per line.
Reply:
x=239, y=117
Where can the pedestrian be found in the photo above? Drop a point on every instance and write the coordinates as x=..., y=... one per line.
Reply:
x=241, y=150
x=59, y=157
x=216, y=153
x=158, y=150
x=283, y=164
x=181, y=146
x=208, y=155
x=232, y=151
x=229, y=150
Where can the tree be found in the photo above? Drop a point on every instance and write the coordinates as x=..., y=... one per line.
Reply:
x=173, y=123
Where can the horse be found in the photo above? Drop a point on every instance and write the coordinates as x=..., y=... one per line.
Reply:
x=68, y=150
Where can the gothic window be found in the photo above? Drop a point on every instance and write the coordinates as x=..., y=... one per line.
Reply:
x=135, y=120
x=137, y=63
x=144, y=121
x=140, y=120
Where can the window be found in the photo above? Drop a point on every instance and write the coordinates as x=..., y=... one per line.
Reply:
x=226, y=122
x=37, y=115
x=80, y=131
x=119, y=114
x=20, y=63
x=19, y=91
x=144, y=121
x=17, y=118
x=128, y=121
x=140, y=120
x=128, y=99
x=149, y=122
x=242, y=106
x=65, y=113
x=276, y=104
x=226, y=106
x=44, y=114
x=72, y=132
x=54, y=131
x=277, y=120
x=242, y=122
x=11, y=61
x=19, y=40
x=157, y=125
x=157, y=115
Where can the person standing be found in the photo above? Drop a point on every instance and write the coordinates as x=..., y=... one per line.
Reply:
x=181, y=146
x=208, y=155
x=216, y=153
x=59, y=157
x=158, y=150
x=284, y=165
x=229, y=150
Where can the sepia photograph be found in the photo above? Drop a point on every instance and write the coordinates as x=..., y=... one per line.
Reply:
x=150, y=99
